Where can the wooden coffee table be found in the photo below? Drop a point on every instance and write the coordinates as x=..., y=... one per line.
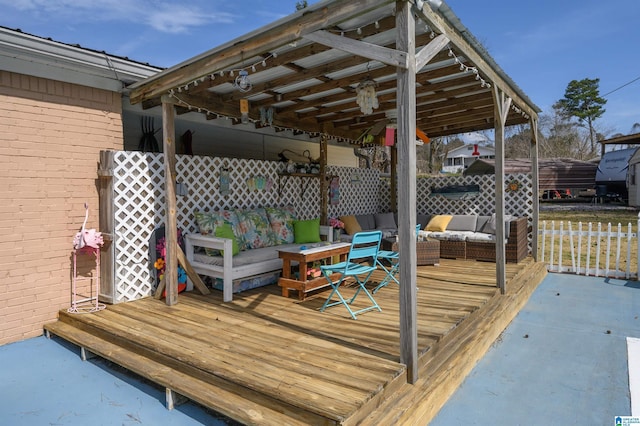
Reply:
x=311, y=253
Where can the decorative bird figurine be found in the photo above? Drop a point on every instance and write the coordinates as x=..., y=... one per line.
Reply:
x=87, y=237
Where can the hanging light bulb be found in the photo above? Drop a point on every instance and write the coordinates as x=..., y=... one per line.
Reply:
x=242, y=82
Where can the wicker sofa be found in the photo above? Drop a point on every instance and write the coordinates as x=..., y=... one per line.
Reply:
x=473, y=237
x=465, y=236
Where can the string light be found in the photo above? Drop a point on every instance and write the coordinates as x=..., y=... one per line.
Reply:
x=241, y=82
x=465, y=68
x=266, y=118
x=519, y=111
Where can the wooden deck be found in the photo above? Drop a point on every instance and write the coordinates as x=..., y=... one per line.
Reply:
x=265, y=359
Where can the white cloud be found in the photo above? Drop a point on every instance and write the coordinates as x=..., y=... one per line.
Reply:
x=159, y=15
x=178, y=19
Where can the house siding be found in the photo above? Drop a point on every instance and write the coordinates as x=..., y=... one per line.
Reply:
x=51, y=134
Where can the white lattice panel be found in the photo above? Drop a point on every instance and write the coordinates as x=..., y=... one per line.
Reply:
x=139, y=201
x=359, y=189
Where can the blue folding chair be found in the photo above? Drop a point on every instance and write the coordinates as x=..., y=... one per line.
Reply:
x=360, y=264
x=392, y=260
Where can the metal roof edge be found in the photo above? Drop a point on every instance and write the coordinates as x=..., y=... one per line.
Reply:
x=40, y=57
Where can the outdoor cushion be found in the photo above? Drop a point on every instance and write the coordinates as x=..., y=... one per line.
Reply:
x=385, y=221
x=351, y=225
x=366, y=221
x=439, y=223
x=490, y=227
x=247, y=257
x=254, y=229
x=208, y=222
x=281, y=220
x=481, y=237
x=306, y=231
x=225, y=231
x=423, y=220
x=450, y=235
x=463, y=222
x=482, y=221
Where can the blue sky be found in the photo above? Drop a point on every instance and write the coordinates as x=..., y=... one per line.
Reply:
x=542, y=45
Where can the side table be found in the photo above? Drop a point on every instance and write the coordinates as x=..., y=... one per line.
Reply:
x=427, y=251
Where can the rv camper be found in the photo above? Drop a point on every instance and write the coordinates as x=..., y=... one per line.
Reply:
x=633, y=180
x=611, y=175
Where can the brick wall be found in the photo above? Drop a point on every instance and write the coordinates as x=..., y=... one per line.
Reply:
x=51, y=134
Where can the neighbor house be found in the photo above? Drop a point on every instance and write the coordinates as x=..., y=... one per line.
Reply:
x=458, y=159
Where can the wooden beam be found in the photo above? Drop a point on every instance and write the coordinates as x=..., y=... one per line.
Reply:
x=159, y=289
x=360, y=48
x=406, y=104
x=502, y=106
x=428, y=52
x=435, y=21
x=536, y=187
x=171, y=222
x=394, y=179
x=324, y=183
x=191, y=273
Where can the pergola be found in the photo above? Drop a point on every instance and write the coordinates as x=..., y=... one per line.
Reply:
x=304, y=73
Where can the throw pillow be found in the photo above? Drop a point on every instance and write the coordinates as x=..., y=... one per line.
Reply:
x=225, y=231
x=281, y=220
x=385, y=221
x=439, y=223
x=254, y=228
x=351, y=225
x=208, y=222
x=306, y=231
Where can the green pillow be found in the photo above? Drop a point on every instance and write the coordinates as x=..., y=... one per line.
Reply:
x=225, y=231
x=306, y=231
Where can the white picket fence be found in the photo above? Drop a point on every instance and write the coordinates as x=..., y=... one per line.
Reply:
x=592, y=251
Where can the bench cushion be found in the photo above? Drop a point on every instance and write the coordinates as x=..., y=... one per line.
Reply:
x=254, y=229
x=244, y=257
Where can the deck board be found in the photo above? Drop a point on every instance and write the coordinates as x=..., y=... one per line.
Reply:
x=312, y=367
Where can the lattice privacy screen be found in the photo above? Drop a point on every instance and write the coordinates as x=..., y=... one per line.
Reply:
x=139, y=200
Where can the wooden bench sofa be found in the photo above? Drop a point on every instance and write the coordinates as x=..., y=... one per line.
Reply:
x=257, y=258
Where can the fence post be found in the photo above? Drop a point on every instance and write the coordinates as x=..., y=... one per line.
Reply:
x=586, y=269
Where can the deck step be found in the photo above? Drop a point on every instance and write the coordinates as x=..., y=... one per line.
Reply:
x=228, y=403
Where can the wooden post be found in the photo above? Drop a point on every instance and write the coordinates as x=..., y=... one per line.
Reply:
x=502, y=103
x=406, y=104
x=536, y=187
x=394, y=179
x=324, y=184
x=171, y=223
x=106, y=292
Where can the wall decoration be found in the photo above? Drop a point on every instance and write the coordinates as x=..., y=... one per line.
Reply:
x=513, y=185
x=334, y=191
x=356, y=179
x=259, y=183
x=224, y=180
